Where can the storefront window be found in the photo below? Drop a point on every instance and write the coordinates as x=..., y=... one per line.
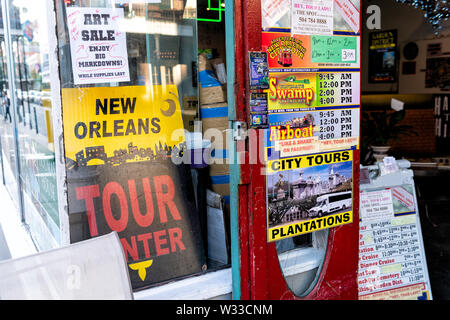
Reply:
x=129, y=83
x=30, y=45
x=7, y=123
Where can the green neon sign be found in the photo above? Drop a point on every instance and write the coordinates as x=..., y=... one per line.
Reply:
x=219, y=9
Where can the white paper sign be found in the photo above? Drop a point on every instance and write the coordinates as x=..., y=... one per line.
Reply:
x=272, y=11
x=404, y=197
x=376, y=205
x=312, y=17
x=349, y=12
x=98, y=48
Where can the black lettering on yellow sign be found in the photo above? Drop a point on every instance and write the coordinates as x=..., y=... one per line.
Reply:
x=308, y=161
x=307, y=226
x=117, y=127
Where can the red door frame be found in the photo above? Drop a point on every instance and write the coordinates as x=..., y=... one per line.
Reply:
x=260, y=272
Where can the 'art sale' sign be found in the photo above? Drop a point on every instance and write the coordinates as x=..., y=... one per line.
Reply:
x=98, y=47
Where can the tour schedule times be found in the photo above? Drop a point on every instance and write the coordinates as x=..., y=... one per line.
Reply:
x=338, y=88
x=390, y=258
x=292, y=92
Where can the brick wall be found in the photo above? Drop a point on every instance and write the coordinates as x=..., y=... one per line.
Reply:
x=424, y=143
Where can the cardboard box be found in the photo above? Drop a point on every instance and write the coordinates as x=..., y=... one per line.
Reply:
x=215, y=128
x=211, y=90
x=222, y=189
x=216, y=94
x=219, y=169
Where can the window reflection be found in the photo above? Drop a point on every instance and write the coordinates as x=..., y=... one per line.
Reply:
x=161, y=47
x=29, y=39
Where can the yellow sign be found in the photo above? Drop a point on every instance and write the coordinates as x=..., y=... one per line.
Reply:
x=308, y=161
x=112, y=125
x=307, y=226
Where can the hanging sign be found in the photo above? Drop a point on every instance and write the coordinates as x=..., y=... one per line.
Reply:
x=382, y=56
x=97, y=45
x=124, y=174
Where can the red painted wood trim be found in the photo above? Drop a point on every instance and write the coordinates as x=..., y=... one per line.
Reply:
x=261, y=275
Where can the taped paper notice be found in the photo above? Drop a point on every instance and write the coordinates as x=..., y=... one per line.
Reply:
x=404, y=197
x=350, y=14
x=98, y=47
x=376, y=205
x=312, y=17
x=272, y=11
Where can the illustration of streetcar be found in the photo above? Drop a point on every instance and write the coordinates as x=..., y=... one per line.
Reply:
x=285, y=58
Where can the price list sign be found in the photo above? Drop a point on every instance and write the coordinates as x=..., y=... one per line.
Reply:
x=392, y=263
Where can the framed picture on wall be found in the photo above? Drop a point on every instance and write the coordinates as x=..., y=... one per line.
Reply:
x=383, y=56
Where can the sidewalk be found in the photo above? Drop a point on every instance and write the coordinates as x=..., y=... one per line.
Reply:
x=15, y=241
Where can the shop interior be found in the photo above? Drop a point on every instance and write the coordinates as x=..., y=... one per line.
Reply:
x=416, y=86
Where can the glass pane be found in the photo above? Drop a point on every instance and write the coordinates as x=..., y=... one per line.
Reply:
x=7, y=122
x=129, y=80
x=29, y=38
x=301, y=259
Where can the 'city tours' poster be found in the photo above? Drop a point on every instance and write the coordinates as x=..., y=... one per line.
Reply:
x=123, y=146
x=309, y=193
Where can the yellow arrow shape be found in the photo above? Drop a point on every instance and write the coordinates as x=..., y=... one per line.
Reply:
x=141, y=267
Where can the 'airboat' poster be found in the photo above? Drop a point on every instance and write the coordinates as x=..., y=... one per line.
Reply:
x=313, y=104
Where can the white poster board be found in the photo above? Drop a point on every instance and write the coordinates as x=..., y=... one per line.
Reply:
x=93, y=269
x=392, y=263
x=98, y=47
x=312, y=17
